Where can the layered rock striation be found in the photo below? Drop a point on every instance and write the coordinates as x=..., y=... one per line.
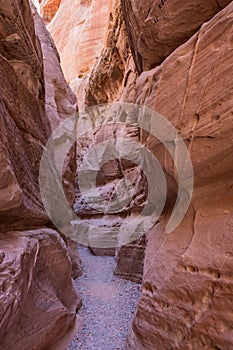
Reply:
x=38, y=297
x=180, y=65
x=157, y=28
x=81, y=37
x=186, y=296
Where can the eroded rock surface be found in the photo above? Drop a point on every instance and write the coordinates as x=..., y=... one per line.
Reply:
x=156, y=28
x=38, y=300
x=49, y=8
x=81, y=37
x=97, y=37
x=60, y=101
x=186, y=296
x=24, y=125
x=105, y=208
x=182, y=68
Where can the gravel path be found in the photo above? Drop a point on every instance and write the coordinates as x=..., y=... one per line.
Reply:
x=108, y=305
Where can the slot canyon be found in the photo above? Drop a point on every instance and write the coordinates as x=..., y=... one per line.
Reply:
x=116, y=178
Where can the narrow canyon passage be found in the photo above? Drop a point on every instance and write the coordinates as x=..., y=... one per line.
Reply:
x=116, y=119
x=108, y=304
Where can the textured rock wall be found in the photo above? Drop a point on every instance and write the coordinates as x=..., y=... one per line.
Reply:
x=36, y=309
x=186, y=298
x=95, y=52
x=108, y=75
x=24, y=125
x=38, y=298
x=156, y=28
x=182, y=68
x=49, y=9
x=60, y=101
x=98, y=76
x=81, y=37
x=111, y=187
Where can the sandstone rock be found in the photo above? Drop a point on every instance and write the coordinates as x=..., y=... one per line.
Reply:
x=157, y=28
x=130, y=261
x=196, y=108
x=100, y=71
x=111, y=70
x=38, y=300
x=38, y=297
x=81, y=36
x=49, y=8
x=60, y=101
x=186, y=299
x=105, y=207
x=24, y=126
x=75, y=259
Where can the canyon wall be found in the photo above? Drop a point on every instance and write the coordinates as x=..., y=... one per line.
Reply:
x=38, y=297
x=187, y=289
x=93, y=46
x=81, y=37
x=157, y=28
x=101, y=72
x=180, y=65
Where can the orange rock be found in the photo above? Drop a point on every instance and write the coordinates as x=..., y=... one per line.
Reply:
x=49, y=8
x=157, y=28
x=37, y=296
x=60, y=100
x=81, y=36
x=187, y=295
x=185, y=67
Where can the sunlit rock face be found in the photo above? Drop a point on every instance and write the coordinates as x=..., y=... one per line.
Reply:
x=36, y=310
x=93, y=46
x=80, y=30
x=48, y=9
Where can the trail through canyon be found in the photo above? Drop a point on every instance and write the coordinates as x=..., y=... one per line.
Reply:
x=108, y=305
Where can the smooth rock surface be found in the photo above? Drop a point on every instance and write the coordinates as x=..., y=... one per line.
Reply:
x=60, y=101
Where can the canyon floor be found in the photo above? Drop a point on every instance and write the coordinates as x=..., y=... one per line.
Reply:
x=108, y=305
